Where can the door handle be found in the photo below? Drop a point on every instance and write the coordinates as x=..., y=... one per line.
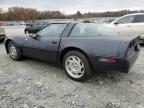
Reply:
x=54, y=42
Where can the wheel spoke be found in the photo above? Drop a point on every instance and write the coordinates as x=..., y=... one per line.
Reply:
x=74, y=59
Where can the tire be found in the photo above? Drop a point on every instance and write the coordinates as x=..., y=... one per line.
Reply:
x=77, y=66
x=14, y=51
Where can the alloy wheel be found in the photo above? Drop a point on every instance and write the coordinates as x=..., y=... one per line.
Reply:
x=74, y=66
x=12, y=51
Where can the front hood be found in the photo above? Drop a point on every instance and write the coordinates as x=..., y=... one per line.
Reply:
x=18, y=40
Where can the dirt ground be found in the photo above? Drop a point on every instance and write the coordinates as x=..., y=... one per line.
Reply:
x=35, y=84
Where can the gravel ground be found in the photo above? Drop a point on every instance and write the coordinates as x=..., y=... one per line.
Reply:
x=35, y=84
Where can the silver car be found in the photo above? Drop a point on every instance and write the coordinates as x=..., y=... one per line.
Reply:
x=131, y=24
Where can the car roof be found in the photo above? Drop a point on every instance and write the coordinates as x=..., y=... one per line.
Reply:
x=67, y=22
x=61, y=22
x=134, y=14
x=126, y=15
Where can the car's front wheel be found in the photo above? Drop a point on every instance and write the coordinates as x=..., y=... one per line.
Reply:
x=77, y=66
x=13, y=51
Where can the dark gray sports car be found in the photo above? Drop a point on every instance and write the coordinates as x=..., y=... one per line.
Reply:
x=81, y=48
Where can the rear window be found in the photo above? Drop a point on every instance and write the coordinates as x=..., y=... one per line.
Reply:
x=90, y=30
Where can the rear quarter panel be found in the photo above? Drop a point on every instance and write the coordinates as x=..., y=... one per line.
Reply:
x=93, y=46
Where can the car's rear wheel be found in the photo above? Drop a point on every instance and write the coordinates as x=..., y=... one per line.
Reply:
x=77, y=66
x=13, y=51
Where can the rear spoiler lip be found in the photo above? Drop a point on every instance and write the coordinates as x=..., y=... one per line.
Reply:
x=136, y=41
x=138, y=37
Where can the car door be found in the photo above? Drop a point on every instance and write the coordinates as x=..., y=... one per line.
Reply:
x=45, y=44
x=138, y=25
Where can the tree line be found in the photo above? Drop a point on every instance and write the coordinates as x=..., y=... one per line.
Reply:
x=26, y=14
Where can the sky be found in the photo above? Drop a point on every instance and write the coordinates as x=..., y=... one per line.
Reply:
x=72, y=6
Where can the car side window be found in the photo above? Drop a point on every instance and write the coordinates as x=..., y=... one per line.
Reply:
x=91, y=30
x=84, y=30
x=139, y=19
x=42, y=23
x=53, y=30
x=126, y=20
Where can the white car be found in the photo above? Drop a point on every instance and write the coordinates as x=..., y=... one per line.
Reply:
x=2, y=33
x=131, y=24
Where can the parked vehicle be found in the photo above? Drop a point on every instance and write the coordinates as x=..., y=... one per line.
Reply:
x=82, y=48
x=36, y=27
x=131, y=24
x=10, y=23
x=104, y=21
x=2, y=33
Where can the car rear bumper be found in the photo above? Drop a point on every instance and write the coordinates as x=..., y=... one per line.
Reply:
x=121, y=64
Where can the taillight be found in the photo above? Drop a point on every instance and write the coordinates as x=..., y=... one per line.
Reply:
x=109, y=60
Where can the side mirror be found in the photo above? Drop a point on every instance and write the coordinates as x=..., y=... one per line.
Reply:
x=116, y=23
x=34, y=36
